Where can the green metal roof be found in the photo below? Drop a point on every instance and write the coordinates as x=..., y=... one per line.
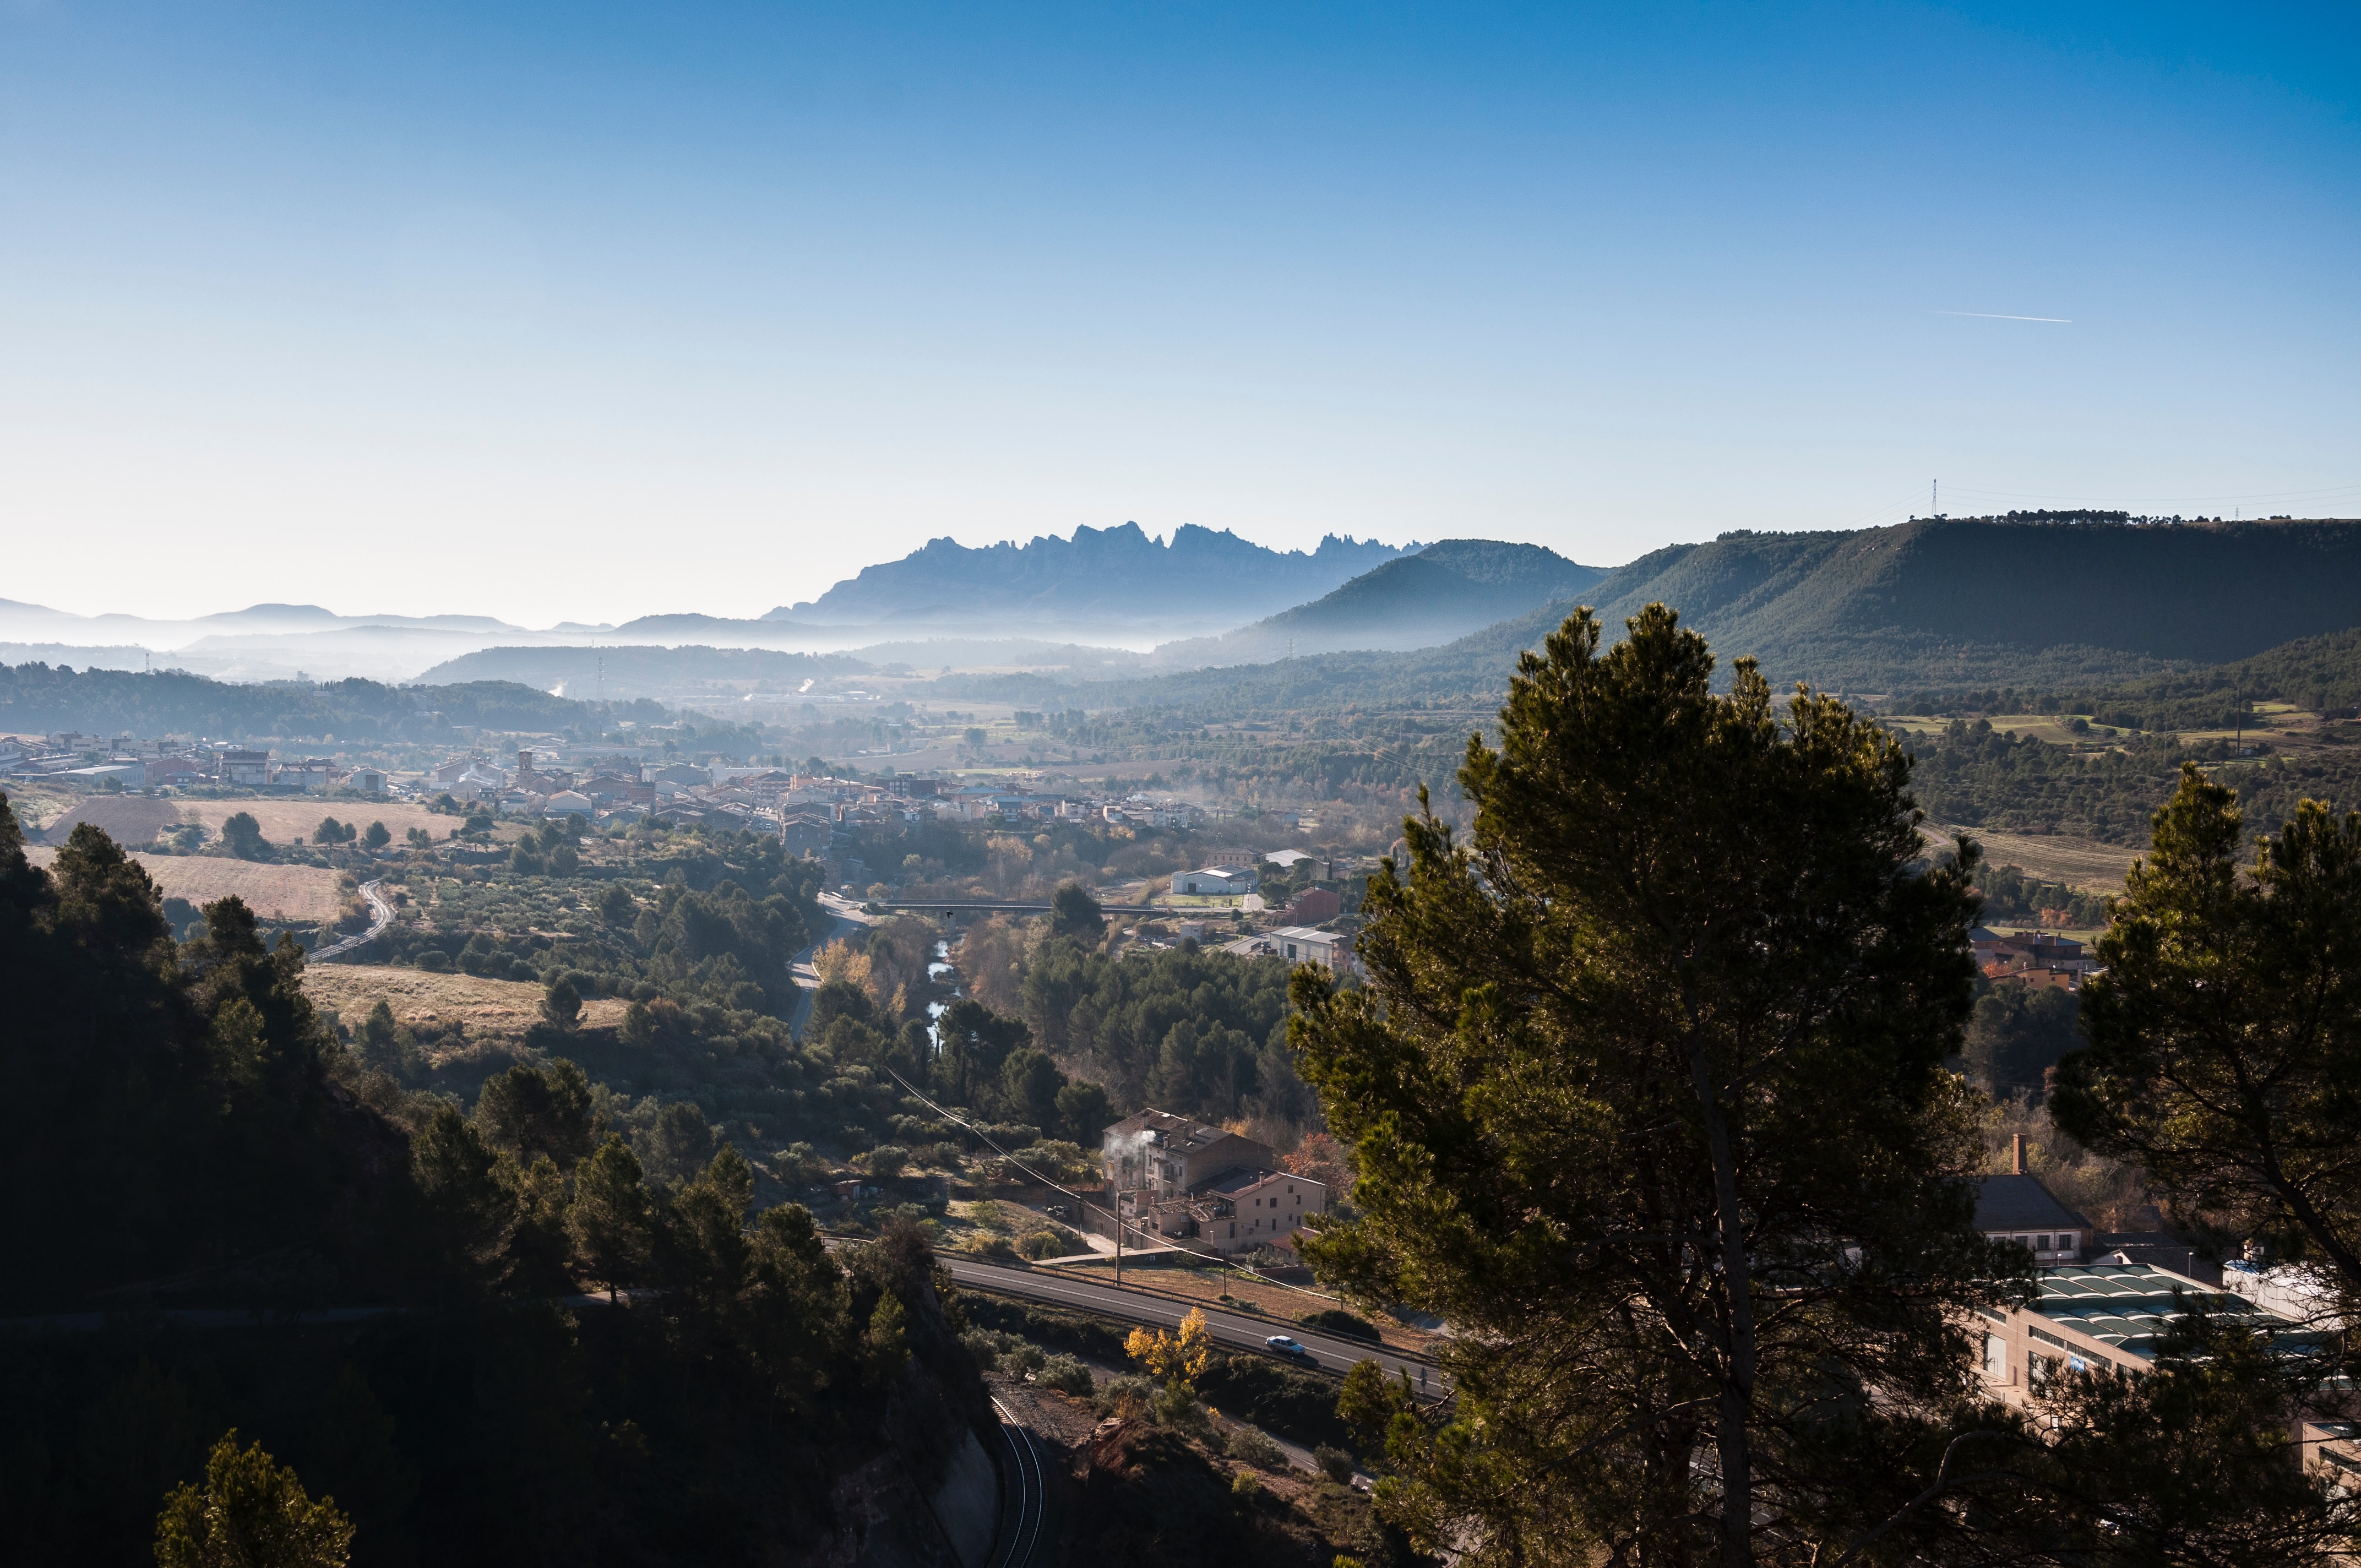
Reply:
x=2130, y=1306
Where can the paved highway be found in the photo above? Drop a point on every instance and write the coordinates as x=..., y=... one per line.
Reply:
x=1239, y=1331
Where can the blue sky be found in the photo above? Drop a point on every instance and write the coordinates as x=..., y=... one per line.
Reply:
x=589, y=312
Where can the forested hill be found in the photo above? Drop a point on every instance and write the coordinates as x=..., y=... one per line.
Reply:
x=1114, y=574
x=1941, y=604
x=1445, y=591
x=1962, y=600
x=40, y=699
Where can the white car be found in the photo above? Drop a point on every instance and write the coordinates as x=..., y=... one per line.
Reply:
x=1282, y=1345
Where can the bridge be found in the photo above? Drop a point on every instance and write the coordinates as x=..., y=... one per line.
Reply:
x=959, y=907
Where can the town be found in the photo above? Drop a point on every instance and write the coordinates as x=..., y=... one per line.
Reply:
x=1309, y=787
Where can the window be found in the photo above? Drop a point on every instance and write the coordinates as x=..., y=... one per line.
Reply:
x=2038, y=1368
x=1995, y=1356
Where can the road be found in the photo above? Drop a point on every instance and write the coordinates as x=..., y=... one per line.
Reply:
x=1238, y=1331
x=381, y=917
x=848, y=917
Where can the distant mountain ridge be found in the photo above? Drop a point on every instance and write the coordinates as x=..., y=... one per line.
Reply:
x=624, y=671
x=1200, y=578
x=1953, y=601
x=1936, y=603
x=1444, y=592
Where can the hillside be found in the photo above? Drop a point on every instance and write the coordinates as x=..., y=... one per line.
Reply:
x=1115, y=576
x=1958, y=601
x=1445, y=591
x=1941, y=604
x=2319, y=674
x=39, y=699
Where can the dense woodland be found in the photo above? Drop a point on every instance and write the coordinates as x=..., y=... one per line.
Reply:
x=202, y=1141
x=39, y=699
x=1975, y=776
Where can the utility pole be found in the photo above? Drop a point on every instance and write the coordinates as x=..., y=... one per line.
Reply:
x=1934, y=497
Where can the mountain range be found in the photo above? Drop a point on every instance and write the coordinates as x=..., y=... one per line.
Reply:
x=1932, y=604
x=1110, y=577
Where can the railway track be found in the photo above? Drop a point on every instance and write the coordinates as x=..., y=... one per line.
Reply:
x=1021, y=1532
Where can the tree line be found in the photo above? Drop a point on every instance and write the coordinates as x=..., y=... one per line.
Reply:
x=1647, y=1094
x=202, y=1141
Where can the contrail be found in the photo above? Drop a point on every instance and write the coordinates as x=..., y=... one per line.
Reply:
x=1990, y=316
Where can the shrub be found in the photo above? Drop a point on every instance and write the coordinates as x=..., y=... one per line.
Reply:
x=992, y=1246
x=1244, y=1484
x=1066, y=1376
x=1177, y=1407
x=983, y=1347
x=1127, y=1395
x=1041, y=1244
x=1335, y=1463
x=1336, y=1321
x=1255, y=1449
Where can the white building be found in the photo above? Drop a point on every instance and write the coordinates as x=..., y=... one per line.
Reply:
x=1218, y=880
x=1332, y=950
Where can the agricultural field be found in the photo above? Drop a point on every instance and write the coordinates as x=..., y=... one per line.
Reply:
x=303, y=895
x=443, y=1001
x=289, y=820
x=2077, y=862
x=131, y=820
x=135, y=820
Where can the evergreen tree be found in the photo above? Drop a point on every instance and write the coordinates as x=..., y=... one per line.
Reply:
x=250, y=1513
x=1645, y=1092
x=1074, y=913
x=2225, y=1030
x=611, y=1219
x=242, y=835
x=531, y=1111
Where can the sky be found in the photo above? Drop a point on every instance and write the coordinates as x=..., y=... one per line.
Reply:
x=585, y=311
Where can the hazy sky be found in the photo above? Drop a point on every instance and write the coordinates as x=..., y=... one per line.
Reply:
x=588, y=312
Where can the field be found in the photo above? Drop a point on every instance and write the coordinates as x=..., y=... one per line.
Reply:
x=481, y=1007
x=2077, y=862
x=303, y=894
x=131, y=820
x=285, y=821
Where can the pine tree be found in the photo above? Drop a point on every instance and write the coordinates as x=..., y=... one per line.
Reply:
x=1646, y=1097
x=250, y=1513
x=611, y=1219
